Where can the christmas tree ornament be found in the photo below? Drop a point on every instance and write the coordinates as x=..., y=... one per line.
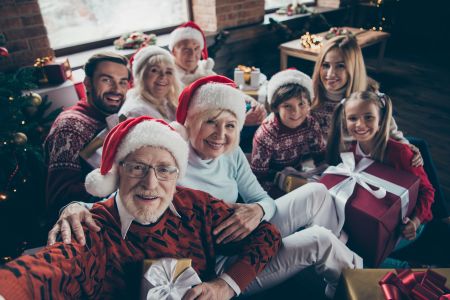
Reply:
x=30, y=110
x=20, y=138
x=3, y=197
x=4, y=52
x=36, y=99
x=22, y=166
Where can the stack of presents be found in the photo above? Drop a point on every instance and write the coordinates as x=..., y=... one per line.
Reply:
x=372, y=200
x=56, y=81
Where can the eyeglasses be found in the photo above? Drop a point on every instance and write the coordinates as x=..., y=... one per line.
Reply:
x=139, y=170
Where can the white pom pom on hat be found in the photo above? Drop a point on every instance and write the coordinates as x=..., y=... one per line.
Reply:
x=127, y=137
x=286, y=77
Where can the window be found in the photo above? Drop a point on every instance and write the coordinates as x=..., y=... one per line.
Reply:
x=72, y=23
x=272, y=4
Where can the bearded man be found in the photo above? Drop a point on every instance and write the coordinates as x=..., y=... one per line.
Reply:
x=106, y=81
x=148, y=217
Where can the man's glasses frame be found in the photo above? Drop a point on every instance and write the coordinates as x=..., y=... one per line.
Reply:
x=140, y=170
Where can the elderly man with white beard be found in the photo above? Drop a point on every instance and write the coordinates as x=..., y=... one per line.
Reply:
x=148, y=217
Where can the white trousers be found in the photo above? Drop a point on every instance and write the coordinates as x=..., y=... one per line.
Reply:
x=309, y=206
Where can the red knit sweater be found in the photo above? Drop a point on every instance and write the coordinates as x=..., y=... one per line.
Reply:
x=100, y=269
x=70, y=133
x=276, y=146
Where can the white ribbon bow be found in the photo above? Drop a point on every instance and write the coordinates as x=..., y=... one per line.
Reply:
x=343, y=190
x=160, y=275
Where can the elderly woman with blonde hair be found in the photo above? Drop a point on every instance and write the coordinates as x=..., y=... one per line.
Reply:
x=156, y=88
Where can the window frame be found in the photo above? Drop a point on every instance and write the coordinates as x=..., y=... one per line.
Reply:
x=64, y=51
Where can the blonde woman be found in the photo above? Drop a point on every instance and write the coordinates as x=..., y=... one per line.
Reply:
x=156, y=88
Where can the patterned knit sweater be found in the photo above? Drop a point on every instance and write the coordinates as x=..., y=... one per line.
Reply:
x=324, y=114
x=276, y=146
x=100, y=270
x=70, y=133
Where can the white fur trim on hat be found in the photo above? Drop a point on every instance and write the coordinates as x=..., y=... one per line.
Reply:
x=218, y=96
x=185, y=33
x=151, y=133
x=143, y=55
x=286, y=77
x=146, y=133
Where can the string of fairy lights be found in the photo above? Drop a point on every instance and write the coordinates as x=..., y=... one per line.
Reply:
x=17, y=139
x=315, y=42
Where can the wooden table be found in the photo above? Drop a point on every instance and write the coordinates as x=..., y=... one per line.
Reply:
x=365, y=38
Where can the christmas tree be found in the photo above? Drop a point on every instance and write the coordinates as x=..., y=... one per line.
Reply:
x=22, y=173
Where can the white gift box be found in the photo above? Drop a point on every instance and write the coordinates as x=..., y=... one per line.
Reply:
x=168, y=279
x=251, y=79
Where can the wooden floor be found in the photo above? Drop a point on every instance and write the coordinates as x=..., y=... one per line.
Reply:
x=420, y=91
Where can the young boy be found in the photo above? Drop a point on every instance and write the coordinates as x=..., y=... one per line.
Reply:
x=289, y=134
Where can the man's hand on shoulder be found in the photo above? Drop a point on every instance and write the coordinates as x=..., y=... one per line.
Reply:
x=70, y=221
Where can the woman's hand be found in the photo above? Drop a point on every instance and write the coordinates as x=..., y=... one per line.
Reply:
x=242, y=222
x=255, y=115
x=213, y=290
x=410, y=228
x=70, y=220
x=417, y=160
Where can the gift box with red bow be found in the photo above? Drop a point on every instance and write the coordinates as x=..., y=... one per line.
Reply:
x=419, y=285
x=379, y=284
x=372, y=199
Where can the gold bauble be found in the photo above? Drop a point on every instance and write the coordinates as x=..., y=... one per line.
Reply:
x=20, y=138
x=36, y=99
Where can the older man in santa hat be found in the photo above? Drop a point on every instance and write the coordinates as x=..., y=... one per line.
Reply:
x=147, y=217
x=188, y=46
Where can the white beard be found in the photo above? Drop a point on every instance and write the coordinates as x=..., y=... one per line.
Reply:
x=145, y=215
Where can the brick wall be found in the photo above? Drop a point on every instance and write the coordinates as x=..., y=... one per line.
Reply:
x=26, y=37
x=214, y=15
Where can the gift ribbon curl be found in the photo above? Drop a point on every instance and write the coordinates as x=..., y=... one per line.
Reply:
x=428, y=285
x=164, y=284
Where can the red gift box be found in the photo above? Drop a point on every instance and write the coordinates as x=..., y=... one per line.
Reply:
x=52, y=71
x=378, y=198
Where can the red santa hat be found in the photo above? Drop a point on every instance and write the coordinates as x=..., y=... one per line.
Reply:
x=191, y=31
x=129, y=136
x=210, y=92
x=140, y=58
x=285, y=77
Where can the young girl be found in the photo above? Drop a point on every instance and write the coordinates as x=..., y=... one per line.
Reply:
x=365, y=116
x=289, y=134
x=340, y=71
